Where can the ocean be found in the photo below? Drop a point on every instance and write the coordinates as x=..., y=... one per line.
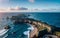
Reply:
x=19, y=29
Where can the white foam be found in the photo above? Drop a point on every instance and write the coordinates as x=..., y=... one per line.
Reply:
x=5, y=36
x=26, y=33
x=2, y=32
x=29, y=29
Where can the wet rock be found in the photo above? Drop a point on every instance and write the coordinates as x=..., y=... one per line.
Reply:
x=7, y=27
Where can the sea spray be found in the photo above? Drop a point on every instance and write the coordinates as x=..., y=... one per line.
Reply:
x=5, y=36
x=29, y=30
x=27, y=33
x=2, y=32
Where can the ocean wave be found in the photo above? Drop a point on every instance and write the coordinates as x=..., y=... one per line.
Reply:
x=26, y=33
x=29, y=29
x=2, y=32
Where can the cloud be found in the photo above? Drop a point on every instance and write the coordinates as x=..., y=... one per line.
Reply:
x=18, y=8
x=23, y=9
x=32, y=1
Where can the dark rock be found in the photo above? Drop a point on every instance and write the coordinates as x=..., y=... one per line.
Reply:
x=7, y=27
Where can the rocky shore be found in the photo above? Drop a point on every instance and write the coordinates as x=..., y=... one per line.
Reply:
x=41, y=29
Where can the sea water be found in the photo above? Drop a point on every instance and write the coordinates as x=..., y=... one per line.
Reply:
x=17, y=31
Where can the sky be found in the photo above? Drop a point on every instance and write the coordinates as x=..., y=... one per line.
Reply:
x=31, y=4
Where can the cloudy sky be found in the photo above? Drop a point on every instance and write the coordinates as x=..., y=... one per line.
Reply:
x=31, y=4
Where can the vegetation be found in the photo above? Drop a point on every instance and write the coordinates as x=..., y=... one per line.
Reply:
x=57, y=33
